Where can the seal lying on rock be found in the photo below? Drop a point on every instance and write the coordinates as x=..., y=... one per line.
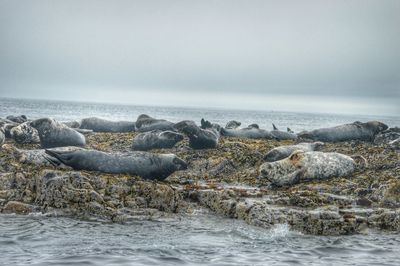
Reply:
x=17, y=119
x=354, y=131
x=147, y=165
x=102, y=125
x=72, y=124
x=282, y=152
x=2, y=136
x=156, y=140
x=199, y=138
x=233, y=124
x=25, y=134
x=146, y=123
x=282, y=135
x=55, y=134
x=303, y=166
x=251, y=132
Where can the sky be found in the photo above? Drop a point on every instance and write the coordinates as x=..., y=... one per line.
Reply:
x=339, y=56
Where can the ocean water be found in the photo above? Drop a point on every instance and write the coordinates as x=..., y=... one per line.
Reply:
x=196, y=239
x=67, y=111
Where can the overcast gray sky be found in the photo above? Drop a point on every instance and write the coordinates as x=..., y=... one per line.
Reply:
x=280, y=55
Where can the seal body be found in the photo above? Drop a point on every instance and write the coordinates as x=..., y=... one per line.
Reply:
x=282, y=135
x=146, y=165
x=233, y=124
x=25, y=134
x=102, y=125
x=199, y=138
x=17, y=119
x=156, y=140
x=354, y=131
x=146, y=123
x=304, y=166
x=2, y=136
x=282, y=152
x=249, y=132
x=55, y=134
x=72, y=124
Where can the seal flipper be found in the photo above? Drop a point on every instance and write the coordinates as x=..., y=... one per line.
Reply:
x=273, y=125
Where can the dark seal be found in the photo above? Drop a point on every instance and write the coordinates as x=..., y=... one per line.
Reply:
x=55, y=134
x=102, y=125
x=143, y=164
x=146, y=123
x=156, y=140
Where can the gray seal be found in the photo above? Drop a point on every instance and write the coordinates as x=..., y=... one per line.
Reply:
x=282, y=135
x=25, y=134
x=102, y=125
x=304, y=166
x=354, y=131
x=17, y=119
x=146, y=123
x=72, y=124
x=251, y=132
x=233, y=124
x=55, y=134
x=144, y=164
x=156, y=140
x=282, y=152
x=2, y=136
x=199, y=138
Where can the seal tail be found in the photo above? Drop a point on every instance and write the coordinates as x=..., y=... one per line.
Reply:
x=360, y=158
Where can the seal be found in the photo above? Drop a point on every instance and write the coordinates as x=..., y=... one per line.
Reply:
x=54, y=134
x=251, y=132
x=2, y=136
x=305, y=166
x=146, y=165
x=232, y=124
x=17, y=119
x=282, y=135
x=146, y=123
x=102, y=125
x=282, y=152
x=156, y=140
x=354, y=131
x=199, y=138
x=25, y=134
x=72, y=124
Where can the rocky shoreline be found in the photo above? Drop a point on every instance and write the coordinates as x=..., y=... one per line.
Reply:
x=223, y=179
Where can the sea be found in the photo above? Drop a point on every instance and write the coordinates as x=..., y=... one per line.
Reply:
x=200, y=238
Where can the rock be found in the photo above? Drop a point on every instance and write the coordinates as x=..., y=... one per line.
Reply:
x=17, y=207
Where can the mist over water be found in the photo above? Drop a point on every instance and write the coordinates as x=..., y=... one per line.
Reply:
x=67, y=111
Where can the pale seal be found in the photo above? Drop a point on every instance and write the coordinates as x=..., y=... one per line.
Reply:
x=2, y=136
x=55, y=134
x=282, y=152
x=156, y=140
x=304, y=166
x=146, y=123
x=25, y=134
x=102, y=125
x=199, y=138
x=233, y=124
x=72, y=124
x=354, y=131
x=144, y=164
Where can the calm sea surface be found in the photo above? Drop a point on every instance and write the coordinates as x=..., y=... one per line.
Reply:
x=197, y=239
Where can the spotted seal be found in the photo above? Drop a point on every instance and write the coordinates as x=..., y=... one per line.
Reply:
x=55, y=134
x=147, y=123
x=156, y=140
x=103, y=125
x=304, y=166
x=144, y=164
x=282, y=152
x=199, y=138
x=354, y=131
x=25, y=134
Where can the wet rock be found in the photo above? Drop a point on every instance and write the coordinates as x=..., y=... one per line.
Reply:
x=17, y=207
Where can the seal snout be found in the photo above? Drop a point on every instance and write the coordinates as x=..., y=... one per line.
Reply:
x=181, y=164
